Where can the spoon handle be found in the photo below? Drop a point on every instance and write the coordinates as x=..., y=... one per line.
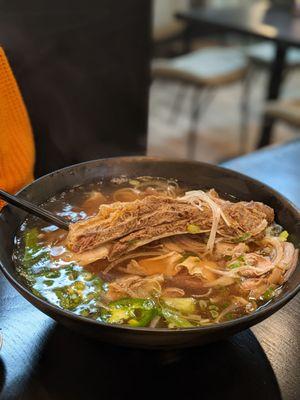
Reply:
x=33, y=209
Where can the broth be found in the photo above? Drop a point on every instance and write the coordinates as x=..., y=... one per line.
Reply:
x=172, y=282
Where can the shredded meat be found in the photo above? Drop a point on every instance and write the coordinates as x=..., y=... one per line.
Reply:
x=129, y=225
x=120, y=219
x=135, y=286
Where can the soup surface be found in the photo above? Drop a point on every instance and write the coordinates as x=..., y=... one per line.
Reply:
x=170, y=271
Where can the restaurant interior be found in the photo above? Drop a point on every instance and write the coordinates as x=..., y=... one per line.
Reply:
x=208, y=85
x=232, y=70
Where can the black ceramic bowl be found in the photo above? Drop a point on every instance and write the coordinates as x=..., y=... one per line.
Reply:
x=191, y=174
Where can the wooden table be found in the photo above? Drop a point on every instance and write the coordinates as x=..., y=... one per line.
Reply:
x=42, y=360
x=260, y=20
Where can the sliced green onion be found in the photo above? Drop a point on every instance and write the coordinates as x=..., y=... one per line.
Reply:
x=214, y=313
x=184, y=304
x=187, y=254
x=269, y=293
x=193, y=229
x=134, y=182
x=49, y=282
x=79, y=285
x=242, y=238
x=283, y=236
x=234, y=265
x=85, y=312
x=88, y=276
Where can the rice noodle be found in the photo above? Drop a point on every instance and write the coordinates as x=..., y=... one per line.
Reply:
x=193, y=317
x=202, y=295
x=185, y=242
x=288, y=255
x=167, y=187
x=231, y=274
x=278, y=249
x=166, y=264
x=293, y=266
x=259, y=228
x=132, y=255
x=226, y=310
x=154, y=321
x=173, y=292
x=135, y=286
x=126, y=194
x=194, y=198
x=222, y=281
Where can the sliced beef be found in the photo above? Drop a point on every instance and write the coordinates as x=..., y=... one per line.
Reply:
x=146, y=235
x=130, y=225
x=120, y=219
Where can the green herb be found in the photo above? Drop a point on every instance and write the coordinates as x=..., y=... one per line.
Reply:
x=98, y=283
x=79, y=285
x=269, y=293
x=229, y=316
x=188, y=254
x=175, y=319
x=135, y=312
x=37, y=293
x=134, y=182
x=214, y=313
x=48, y=282
x=67, y=298
x=33, y=252
x=85, y=312
x=242, y=238
x=186, y=304
x=193, y=229
x=91, y=296
x=88, y=276
x=73, y=275
x=283, y=236
x=52, y=274
x=237, y=263
x=234, y=265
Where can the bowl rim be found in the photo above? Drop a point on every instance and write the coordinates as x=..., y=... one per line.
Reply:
x=260, y=314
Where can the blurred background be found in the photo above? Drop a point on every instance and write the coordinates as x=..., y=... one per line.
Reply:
x=208, y=80
x=230, y=117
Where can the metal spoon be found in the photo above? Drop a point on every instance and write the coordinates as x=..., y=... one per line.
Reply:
x=33, y=209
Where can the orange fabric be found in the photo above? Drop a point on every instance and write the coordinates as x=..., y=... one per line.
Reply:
x=16, y=139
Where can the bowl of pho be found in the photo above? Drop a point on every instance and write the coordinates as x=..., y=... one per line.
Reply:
x=159, y=253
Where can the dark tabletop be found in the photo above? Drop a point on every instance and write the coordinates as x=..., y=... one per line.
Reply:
x=42, y=360
x=259, y=19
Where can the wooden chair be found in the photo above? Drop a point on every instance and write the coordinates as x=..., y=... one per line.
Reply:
x=263, y=53
x=260, y=57
x=205, y=70
x=287, y=111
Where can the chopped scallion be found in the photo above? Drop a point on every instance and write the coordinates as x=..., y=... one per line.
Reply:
x=283, y=236
x=193, y=229
x=242, y=238
x=269, y=293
